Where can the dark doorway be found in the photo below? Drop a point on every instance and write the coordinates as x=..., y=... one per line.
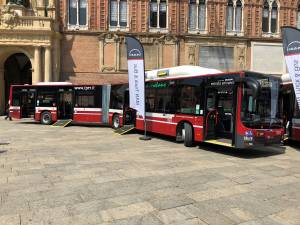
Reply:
x=17, y=70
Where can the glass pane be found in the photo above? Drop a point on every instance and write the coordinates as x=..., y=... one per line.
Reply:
x=238, y=18
x=265, y=21
x=202, y=16
x=82, y=12
x=153, y=14
x=113, y=13
x=229, y=19
x=123, y=13
x=153, y=7
x=274, y=20
x=192, y=16
x=162, y=7
x=73, y=12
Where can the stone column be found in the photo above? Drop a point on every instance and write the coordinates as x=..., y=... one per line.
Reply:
x=48, y=64
x=37, y=66
x=2, y=91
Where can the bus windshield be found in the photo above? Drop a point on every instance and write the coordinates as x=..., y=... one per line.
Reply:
x=262, y=111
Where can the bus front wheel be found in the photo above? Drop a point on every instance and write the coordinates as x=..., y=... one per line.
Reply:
x=46, y=118
x=116, y=122
x=187, y=134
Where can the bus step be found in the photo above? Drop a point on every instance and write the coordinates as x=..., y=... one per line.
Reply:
x=62, y=123
x=124, y=130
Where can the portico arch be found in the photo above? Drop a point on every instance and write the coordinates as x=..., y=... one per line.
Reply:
x=15, y=68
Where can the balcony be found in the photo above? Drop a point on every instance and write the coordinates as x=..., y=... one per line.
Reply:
x=25, y=23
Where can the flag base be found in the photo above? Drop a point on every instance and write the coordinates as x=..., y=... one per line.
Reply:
x=145, y=138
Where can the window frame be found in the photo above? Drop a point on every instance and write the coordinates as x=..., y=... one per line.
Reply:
x=77, y=26
x=118, y=27
x=269, y=32
x=234, y=31
x=197, y=29
x=158, y=28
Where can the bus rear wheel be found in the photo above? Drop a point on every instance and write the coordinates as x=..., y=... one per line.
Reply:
x=187, y=135
x=46, y=118
x=116, y=122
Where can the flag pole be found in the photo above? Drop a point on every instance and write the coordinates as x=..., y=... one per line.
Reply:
x=145, y=137
x=136, y=79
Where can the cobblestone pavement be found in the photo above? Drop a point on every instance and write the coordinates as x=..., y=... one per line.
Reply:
x=83, y=175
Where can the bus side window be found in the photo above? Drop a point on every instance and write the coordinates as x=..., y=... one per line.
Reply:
x=16, y=98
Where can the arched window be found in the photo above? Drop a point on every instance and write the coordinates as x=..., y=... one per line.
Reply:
x=238, y=15
x=298, y=17
x=118, y=13
x=197, y=15
x=78, y=13
x=270, y=17
x=229, y=16
x=158, y=14
x=274, y=15
x=265, y=19
x=234, y=16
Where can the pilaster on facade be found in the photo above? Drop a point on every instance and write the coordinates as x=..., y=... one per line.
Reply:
x=48, y=64
x=37, y=67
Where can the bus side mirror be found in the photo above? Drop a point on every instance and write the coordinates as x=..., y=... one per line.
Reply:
x=253, y=84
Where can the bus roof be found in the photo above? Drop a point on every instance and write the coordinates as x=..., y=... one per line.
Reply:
x=180, y=71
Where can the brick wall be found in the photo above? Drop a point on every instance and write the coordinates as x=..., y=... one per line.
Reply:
x=79, y=55
x=178, y=15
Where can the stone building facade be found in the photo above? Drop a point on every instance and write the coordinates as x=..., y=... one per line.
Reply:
x=29, y=44
x=224, y=34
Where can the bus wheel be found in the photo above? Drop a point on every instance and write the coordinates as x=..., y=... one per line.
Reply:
x=187, y=135
x=116, y=121
x=46, y=118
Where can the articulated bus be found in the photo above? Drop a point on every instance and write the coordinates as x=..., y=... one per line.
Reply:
x=291, y=112
x=190, y=103
x=53, y=101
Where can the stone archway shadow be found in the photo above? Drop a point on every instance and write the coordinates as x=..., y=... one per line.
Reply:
x=5, y=54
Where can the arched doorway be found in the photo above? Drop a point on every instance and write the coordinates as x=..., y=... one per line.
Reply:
x=17, y=70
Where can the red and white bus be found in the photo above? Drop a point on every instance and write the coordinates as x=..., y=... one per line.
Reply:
x=192, y=104
x=291, y=112
x=50, y=102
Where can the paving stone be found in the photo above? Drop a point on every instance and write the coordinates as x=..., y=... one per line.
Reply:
x=88, y=176
x=126, y=211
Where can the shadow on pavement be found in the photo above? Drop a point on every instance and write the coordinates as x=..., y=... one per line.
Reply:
x=3, y=151
x=293, y=144
x=241, y=153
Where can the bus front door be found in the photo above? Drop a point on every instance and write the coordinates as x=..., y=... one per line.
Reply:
x=129, y=114
x=219, y=115
x=27, y=103
x=65, y=105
